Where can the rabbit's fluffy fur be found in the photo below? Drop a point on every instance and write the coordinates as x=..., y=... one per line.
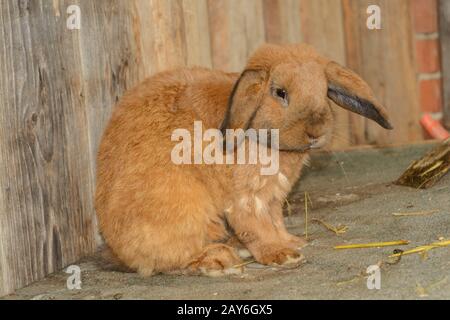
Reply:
x=157, y=216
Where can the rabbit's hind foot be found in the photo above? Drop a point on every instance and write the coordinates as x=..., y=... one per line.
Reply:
x=216, y=260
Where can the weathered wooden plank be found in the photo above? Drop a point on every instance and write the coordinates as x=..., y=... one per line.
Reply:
x=160, y=29
x=170, y=34
x=282, y=21
x=385, y=59
x=236, y=30
x=197, y=37
x=354, y=62
x=444, y=34
x=322, y=27
x=111, y=61
x=46, y=213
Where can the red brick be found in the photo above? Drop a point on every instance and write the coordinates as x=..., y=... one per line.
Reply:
x=424, y=14
x=427, y=56
x=431, y=95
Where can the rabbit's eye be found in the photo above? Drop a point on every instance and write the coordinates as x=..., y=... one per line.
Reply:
x=282, y=95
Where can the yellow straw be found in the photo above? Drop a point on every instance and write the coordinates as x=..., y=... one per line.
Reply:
x=337, y=230
x=306, y=216
x=418, y=213
x=422, y=249
x=373, y=244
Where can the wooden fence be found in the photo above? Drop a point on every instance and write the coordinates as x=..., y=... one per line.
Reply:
x=58, y=87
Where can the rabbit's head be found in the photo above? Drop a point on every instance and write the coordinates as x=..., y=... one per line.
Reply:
x=289, y=87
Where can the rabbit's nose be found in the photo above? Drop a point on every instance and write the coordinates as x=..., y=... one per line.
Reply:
x=316, y=142
x=312, y=136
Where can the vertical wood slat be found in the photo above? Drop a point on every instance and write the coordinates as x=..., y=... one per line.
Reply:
x=236, y=30
x=105, y=73
x=197, y=37
x=385, y=59
x=159, y=28
x=165, y=43
x=322, y=27
x=282, y=21
x=46, y=212
x=444, y=35
x=354, y=62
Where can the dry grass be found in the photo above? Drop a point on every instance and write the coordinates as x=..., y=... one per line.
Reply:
x=417, y=213
x=427, y=171
x=373, y=244
x=338, y=230
x=423, y=249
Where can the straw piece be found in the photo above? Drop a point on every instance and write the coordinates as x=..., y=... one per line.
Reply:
x=306, y=215
x=349, y=281
x=423, y=291
x=289, y=208
x=435, y=166
x=422, y=249
x=373, y=244
x=418, y=213
x=243, y=264
x=337, y=230
x=309, y=199
x=427, y=171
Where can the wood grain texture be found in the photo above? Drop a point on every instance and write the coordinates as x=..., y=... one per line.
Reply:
x=161, y=34
x=444, y=34
x=110, y=63
x=197, y=37
x=385, y=59
x=46, y=209
x=354, y=61
x=236, y=30
x=282, y=21
x=322, y=27
x=164, y=43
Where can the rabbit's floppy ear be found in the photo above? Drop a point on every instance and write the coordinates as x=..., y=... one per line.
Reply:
x=351, y=92
x=245, y=100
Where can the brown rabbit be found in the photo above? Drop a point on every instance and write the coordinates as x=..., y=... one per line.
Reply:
x=158, y=216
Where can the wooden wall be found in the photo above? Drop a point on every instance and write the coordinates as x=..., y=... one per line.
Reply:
x=58, y=86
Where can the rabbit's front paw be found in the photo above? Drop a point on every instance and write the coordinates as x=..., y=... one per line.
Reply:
x=297, y=242
x=278, y=255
